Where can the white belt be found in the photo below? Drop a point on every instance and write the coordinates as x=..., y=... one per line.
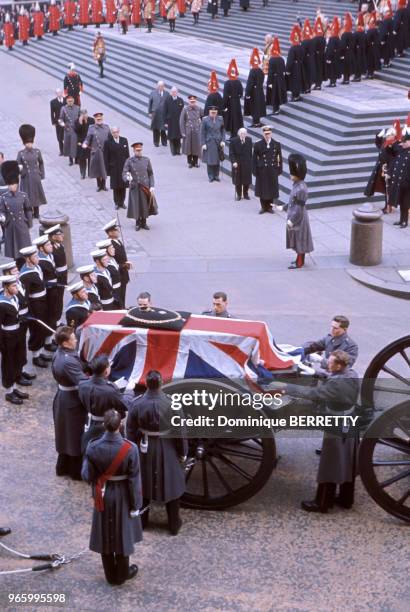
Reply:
x=52, y=280
x=62, y=269
x=116, y=286
x=39, y=294
x=63, y=388
x=23, y=311
x=110, y=301
x=10, y=327
x=96, y=418
x=123, y=477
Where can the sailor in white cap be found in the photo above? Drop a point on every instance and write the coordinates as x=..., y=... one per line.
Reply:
x=56, y=235
x=112, y=230
x=89, y=278
x=114, y=270
x=54, y=296
x=32, y=278
x=79, y=307
x=104, y=280
x=12, y=345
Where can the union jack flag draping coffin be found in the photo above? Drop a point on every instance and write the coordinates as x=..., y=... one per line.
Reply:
x=206, y=347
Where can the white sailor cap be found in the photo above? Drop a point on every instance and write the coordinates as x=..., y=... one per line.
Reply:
x=103, y=244
x=41, y=240
x=76, y=287
x=56, y=229
x=85, y=269
x=8, y=266
x=98, y=254
x=28, y=251
x=8, y=280
x=110, y=225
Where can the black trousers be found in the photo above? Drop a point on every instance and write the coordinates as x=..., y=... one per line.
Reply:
x=13, y=357
x=83, y=162
x=119, y=196
x=124, y=27
x=38, y=333
x=149, y=25
x=404, y=205
x=196, y=17
x=213, y=171
x=266, y=204
x=101, y=183
x=172, y=508
x=175, y=146
x=60, y=137
x=192, y=160
x=157, y=134
x=241, y=190
x=116, y=567
x=171, y=25
x=101, y=65
x=69, y=466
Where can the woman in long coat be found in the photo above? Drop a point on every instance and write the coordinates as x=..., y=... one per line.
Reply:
x=31, y=166
x=298, y=234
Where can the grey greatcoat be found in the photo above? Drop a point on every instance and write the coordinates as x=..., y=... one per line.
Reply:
x=156, y=106
x=336, y=395
x=68, y=116
x=163, y=477
x=190, y=125
x=96, y=137
x=212, y=134
x=113, y=530
x=18, y=214
x=142, y=179
x=31, y=175
x=330, y=343
x=299, y=236
x=69, y=414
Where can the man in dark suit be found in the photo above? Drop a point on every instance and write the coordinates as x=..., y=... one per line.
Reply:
x=267, y=166
x=240, y=153
x=172, y=111
x=116, y=152
x=56, y=105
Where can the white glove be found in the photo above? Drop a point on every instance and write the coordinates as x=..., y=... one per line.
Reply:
x=315, y=358
x=151, y=189
x=204, y=147
x=235, y=165
x=222, y=144
x=61, y=122
x=20, y=167
x=289, y=224
x=2, y=218
x=129, y=177
x=279, y=208
x=84, y=146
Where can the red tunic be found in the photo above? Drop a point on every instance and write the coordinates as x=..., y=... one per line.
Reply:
x=9, y=34
x=84, y=16
x=54, y=18
x=111, y=11
x=24, y=28
x=162, y=9
x=136, y=12
x=96, y=11
x=38, y=23
x=70, y=10
x=181, y=6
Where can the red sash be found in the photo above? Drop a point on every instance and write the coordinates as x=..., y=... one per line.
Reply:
x=110, y=471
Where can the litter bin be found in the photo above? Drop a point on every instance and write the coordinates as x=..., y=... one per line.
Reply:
x=53, y=217
x=366, y=241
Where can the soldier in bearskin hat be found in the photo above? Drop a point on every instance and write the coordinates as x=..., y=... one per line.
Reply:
x=31, y=166
x=15, y=212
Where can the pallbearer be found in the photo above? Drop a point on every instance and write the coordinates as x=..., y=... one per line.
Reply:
x=276, y=93
x=12, y=344
x=31, y=167
x=8, y=30
x=54, y=17
x=38, y=22
x=89, y=278
x=254, y=94
x=70, y=10
x=32, y=278
x=56, y=236
x=54, y=297
x=233, y=92
x=79, y=307
x=103, y=280
x=24, y=26
x=113, y=232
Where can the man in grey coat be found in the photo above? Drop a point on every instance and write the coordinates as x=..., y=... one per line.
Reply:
x=69, y=414
x=68, y=116
x=336, y=395
x=140, y=176
x=156, y=112
x=31, y=167
x=213, y=142
x=111, y=465
x=149, y=424
x=190, y=126
x=15, y=212
x=336, y=339
x=97, y=136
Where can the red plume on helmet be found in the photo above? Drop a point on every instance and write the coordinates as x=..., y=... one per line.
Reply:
x=360, y=22
x=397, y=129
x=348, y=23
x=295, y=36
x=372, y=20
x=232, y=71
x=319, y=29
x=388, y=11
x=213, y=84
x=393, y=134
x=307, y=30
x=275, y=48
x=335, y=27
x=255, y=60
x=402, y=4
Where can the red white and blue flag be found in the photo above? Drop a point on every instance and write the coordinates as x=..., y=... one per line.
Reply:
x=207, y=347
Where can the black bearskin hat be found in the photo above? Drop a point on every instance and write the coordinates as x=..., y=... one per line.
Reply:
x=10, y=172
x=297, y=165
x=27, y=132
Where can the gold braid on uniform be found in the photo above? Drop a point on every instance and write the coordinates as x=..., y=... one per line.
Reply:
x=146, y=321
